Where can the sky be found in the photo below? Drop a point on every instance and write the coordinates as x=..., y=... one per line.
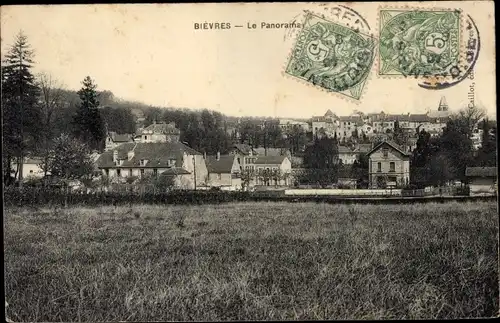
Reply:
x=152, y=53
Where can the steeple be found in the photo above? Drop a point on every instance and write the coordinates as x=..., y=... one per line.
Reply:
x=443, y=106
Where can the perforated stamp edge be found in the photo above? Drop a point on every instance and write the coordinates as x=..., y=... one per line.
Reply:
x=462, y=46
x=294, y=37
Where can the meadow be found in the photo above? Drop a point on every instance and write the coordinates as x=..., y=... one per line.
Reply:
x=251, y=261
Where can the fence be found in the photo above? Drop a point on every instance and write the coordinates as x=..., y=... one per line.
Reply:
x=34, y=197
x=344, y=192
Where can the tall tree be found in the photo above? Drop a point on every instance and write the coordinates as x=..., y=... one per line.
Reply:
x=457, y=146
x=487, y=154
x=296, y=139
x=52, y=101
x=118, y=119
x=321, y=162
x=88, y=123
x=20, y=109
x=469, y=117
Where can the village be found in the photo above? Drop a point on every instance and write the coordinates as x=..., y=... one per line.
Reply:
x=258, y=161
x=155, y=151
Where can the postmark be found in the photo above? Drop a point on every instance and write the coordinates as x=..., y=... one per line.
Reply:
x=467, y=61
x=332, y=56
x=417, y=42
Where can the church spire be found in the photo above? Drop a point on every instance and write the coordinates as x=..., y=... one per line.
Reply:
x=443, y=106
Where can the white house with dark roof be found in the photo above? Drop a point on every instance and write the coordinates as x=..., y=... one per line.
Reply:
x=389, y=165
x=270, y=164
x=160, y=132
x=223, y=172
x=186, y=165
x=31, y=168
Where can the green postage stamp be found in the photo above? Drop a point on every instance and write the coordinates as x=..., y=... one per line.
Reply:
x=332, y=56
x=417, y=42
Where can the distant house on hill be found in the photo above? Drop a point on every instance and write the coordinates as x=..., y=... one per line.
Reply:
x=114, y=139
x=223, y=172
x=186, y=165
x=389, y=166
x=482, y=180
x=160, y=132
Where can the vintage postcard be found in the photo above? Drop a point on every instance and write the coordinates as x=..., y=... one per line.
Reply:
x=249, y=161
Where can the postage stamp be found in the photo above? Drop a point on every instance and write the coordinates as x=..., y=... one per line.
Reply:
x=418, y=43
x=332, y=56
x=469, y=54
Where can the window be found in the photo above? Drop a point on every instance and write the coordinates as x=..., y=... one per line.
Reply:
x=31, y=171
x=219, y=176
x=118, y=172
x=142, y=172
x=392, y=167
x=130, y=172
x=379, y=167
x=385, y=151
x=155, y=172
x=106, y=171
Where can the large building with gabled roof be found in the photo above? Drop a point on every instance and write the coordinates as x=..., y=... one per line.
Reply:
x=141, y=160
x=389, y=166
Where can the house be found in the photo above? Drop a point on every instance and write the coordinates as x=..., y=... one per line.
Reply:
x=482, y=180
x=114, y=139
x=347, y=155
x=389, y=166
x=347, y=125
x=245, y=155
x=288, y=124
x=31, y=168
x=273, y=170
x=224, y=172
x=140, y=160
x=324, y=126
x=159, y=132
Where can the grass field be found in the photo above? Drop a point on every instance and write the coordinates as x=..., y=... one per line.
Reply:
x=252, y=261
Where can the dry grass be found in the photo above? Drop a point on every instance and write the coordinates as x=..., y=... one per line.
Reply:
x=257, y=261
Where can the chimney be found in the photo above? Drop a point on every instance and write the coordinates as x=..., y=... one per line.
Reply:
x=115, y=156
x=218, y=155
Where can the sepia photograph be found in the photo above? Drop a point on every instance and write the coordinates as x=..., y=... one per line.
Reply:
x=249, y=161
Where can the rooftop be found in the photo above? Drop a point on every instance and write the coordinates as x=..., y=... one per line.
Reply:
x=481, y=172
x=223, y=165
x=158, y=155
x=269, y=160
x=389, y=143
